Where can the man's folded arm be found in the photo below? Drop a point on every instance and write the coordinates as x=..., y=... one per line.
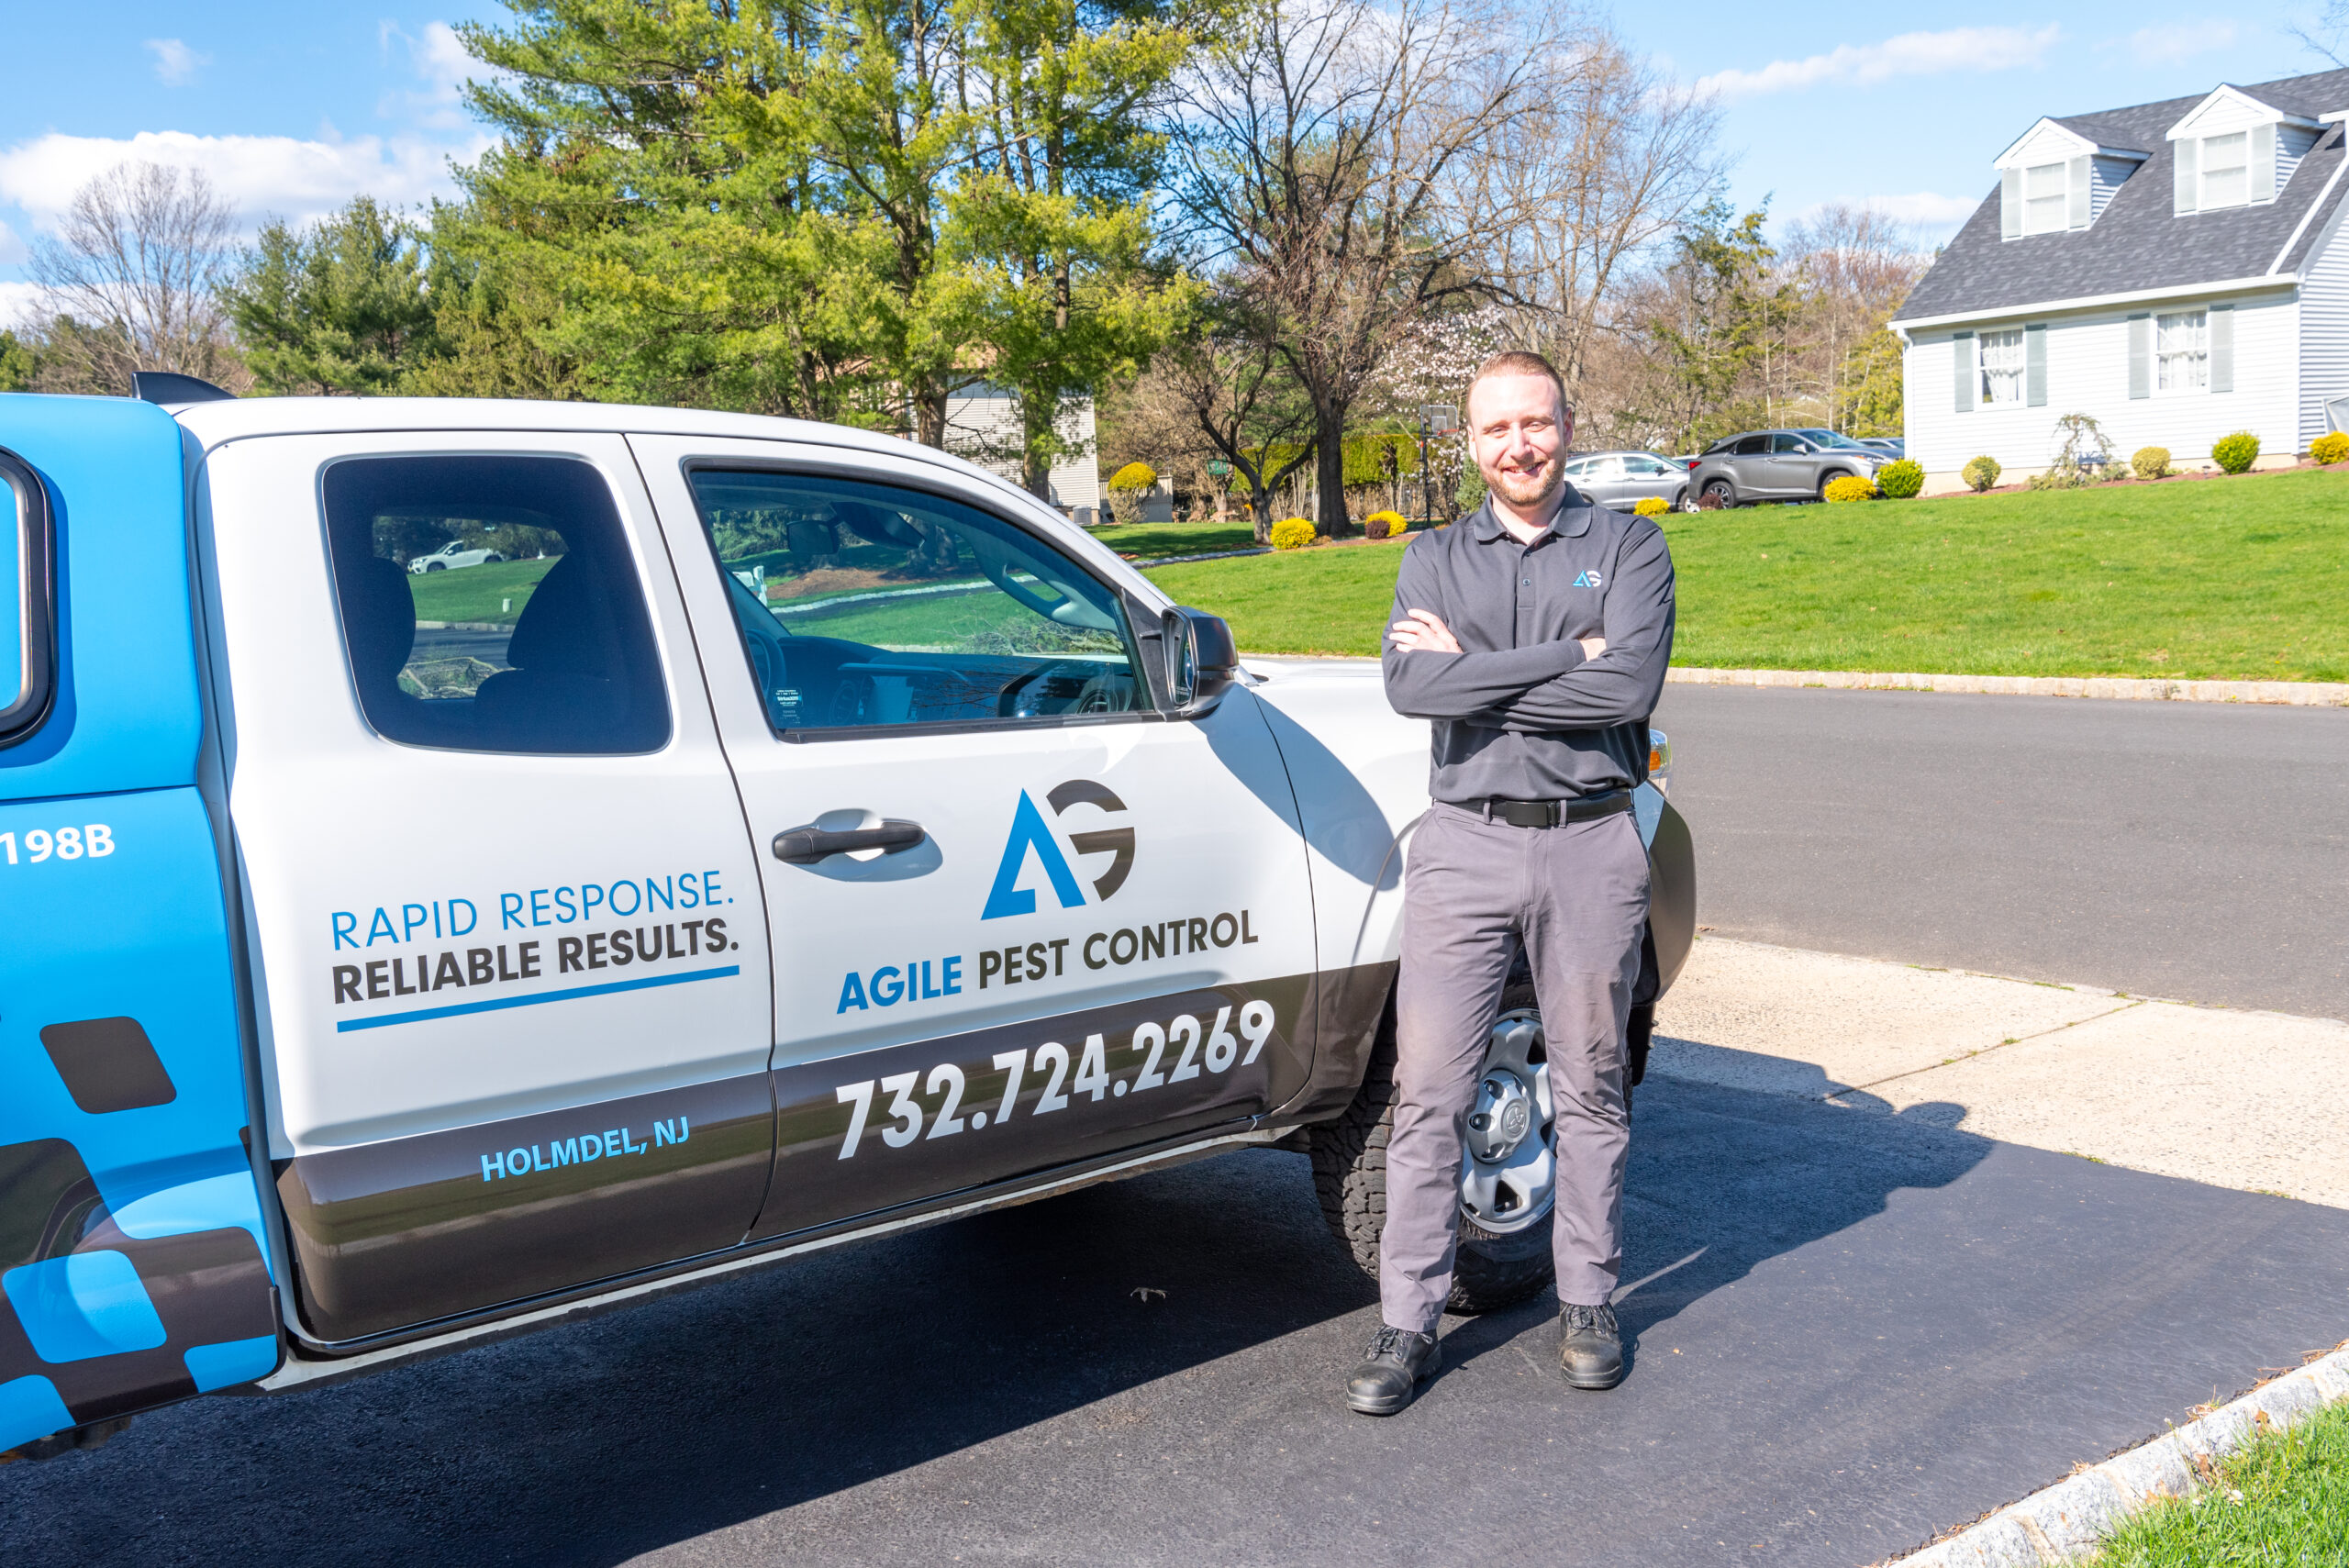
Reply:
x=1422, y=684
x=1625, y=682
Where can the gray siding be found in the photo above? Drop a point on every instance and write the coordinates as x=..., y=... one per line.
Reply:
x=2106, y=177
x=2324, y=333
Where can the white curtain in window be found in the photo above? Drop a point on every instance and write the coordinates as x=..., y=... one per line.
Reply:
x=2046, y=199
x=2182, y=350
x=2003, y=366
x=2226, y=170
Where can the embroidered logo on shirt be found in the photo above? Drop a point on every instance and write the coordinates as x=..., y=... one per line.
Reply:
x=1587, y=580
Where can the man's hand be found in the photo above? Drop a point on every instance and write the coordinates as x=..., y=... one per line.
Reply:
x=1592, y=647
x=1420, y=628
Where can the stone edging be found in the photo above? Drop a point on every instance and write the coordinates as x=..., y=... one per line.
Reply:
x=2295, y=694
x=2064, y=1522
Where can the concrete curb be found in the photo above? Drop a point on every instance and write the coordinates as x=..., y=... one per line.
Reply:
x=2295, y=694
x=2064, y=1522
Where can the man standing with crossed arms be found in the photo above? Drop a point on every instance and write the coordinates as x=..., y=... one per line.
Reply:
x=1534, y=634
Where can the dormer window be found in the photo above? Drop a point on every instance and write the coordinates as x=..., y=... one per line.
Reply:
x=2233, y=150
x=2054, y=179
x=2046, y=198
x=2226, y=171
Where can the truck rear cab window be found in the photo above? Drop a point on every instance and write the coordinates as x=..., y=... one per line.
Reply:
x=869, y=607
x=27, y=629
x=490, y=604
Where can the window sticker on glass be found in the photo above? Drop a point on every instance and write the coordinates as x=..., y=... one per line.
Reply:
x=864, y=605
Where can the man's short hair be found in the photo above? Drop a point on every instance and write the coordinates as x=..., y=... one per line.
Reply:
x=1518, y=361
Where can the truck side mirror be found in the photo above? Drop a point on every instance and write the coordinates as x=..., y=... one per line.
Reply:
x=1201, y=660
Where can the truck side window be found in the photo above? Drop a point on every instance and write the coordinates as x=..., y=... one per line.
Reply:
x=530, y=636
x=25, y=572
x=866, y=606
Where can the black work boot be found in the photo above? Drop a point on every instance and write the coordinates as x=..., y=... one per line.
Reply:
x=1391, y=1370
x=1590, y=1347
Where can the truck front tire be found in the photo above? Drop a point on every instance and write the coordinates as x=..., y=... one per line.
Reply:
x=1488, y=1271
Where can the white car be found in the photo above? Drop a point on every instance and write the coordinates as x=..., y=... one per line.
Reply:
x=450, y=556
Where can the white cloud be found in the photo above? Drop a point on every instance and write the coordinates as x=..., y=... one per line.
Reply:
x=20, y=305
x=262, y=176
x=439, y=59
x=2179, y=42
x=1910, y=54
x=12, y=248
x=175, y=63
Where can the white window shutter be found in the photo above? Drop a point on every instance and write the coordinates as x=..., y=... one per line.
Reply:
x=2222, y=347
x=2188, y=153
x=1960, y=355
x=2011, y=203
x=2034, y=366
x=2078, y=183
x=2141, y=355
x=2263, y=163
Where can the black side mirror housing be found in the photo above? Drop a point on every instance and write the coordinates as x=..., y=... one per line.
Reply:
x=1202, y=661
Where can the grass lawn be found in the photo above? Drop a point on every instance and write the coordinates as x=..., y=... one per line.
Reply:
x=2283, y=1500
x=478, y=593
x=2236, y=579
x=1154, y=541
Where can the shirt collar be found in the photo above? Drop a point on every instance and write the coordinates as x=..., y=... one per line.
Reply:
x=1572, y=521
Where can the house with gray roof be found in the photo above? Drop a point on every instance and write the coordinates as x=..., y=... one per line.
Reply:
x=2176, y=270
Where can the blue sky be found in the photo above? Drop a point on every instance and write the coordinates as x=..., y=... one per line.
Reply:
x=292, y=108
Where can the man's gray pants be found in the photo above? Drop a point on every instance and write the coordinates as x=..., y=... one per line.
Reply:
x=1577, y=895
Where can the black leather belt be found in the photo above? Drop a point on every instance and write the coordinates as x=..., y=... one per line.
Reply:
x=1550, y=813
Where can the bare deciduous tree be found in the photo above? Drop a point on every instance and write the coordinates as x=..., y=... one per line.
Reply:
x=1228, y=397
x=133, y=280
x=1857, y=266
x=1319, y=142
x=1606, y=160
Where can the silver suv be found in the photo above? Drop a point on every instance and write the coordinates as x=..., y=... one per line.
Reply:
x=1780, y=465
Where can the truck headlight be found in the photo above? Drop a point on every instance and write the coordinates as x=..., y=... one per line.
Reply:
x=1660, y=761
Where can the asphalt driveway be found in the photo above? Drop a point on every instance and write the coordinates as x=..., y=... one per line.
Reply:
x=1861, y=1327
x=2199, y=850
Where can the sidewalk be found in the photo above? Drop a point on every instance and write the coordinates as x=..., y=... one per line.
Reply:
x=2253, y=1101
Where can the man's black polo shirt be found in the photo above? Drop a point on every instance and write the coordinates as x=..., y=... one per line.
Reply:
x=1520, y=714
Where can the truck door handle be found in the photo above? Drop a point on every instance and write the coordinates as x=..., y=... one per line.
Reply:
x=805, y=846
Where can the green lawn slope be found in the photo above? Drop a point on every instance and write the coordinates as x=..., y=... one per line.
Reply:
x=2224, y=579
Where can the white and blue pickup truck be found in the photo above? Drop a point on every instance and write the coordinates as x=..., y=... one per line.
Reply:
x=793, y=835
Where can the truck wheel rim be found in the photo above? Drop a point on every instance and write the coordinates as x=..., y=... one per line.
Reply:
x=1507, y=1160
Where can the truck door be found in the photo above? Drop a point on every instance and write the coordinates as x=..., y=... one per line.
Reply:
x=132, y=1265
x=1019, y=918
x=516, y=1012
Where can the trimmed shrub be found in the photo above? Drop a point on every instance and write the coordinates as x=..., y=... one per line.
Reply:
x=1849, y=487
x=1382, y=525
x=2058, y=478
x=2237, y=452
x=1900, y=480
x=2330, y=447
x=1709, y=502
x=2150, y=462
x=1134, y=476
x=1292, y=533
x=1982, y=472
x=1650, y=506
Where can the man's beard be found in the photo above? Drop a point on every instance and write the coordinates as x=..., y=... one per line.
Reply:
x=1519, y=489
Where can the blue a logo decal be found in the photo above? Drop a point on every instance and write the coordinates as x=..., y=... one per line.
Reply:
x=1587, y=580
x=1029, y=832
